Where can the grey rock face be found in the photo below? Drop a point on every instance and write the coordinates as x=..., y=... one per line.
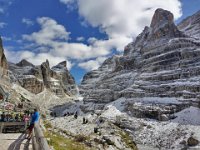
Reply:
x=36, y=78
x=161, y=62
x=191, y=25
x=3, y=61
x=24, y=63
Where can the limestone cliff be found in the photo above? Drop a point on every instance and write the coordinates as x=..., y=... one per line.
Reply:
x=35, y=78
x=191, y=25
x=3, y=61
x=162, y=62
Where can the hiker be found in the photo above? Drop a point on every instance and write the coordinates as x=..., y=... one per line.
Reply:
x=34, y=119
x=12, y=117
x=85, y=120
x=55, y=115
x=3, y=117
x=17, y=117
x=76, y=115
x=26, y=118
x=96, y=129
x=65, y=114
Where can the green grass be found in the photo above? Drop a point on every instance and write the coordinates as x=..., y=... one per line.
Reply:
x=47, y=124
x=127, y=139
x=60, y=142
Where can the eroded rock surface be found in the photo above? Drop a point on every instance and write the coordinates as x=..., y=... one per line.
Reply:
x=162, y=62
x=191, y=25
x=36, y=78
x=3, y=61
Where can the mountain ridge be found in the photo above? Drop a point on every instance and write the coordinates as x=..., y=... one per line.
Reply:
x=153, y=65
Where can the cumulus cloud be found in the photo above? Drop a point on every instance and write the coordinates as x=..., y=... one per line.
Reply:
x=92, y=64
x=27, y=21
x=52, y=42
x=50, y=31
x=34, y=58
x=121, y=20
x=80, y=39
x=53, y=38
x=124, y=17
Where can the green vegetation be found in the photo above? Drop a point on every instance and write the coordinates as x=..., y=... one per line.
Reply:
x=47, y=124
x=60, y=142
x=127, y=139
x=81, y=138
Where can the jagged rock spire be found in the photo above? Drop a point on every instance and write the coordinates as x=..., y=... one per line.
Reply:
x=3, y=60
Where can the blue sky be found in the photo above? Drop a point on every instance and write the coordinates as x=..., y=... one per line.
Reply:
x=83, y=32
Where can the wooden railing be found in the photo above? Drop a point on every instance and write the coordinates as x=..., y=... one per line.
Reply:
x=39, y=142
x=5, y=125
x=38, y=139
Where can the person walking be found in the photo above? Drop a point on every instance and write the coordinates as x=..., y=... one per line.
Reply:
x=34, y=119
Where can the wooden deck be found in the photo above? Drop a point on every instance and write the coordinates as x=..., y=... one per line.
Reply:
x=17, y=141
x=14, y=141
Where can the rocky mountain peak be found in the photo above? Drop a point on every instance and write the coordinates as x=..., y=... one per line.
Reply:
x=24, y=63
x=162, y=61
x=45, y=64
x=3, y=60
x=163, y=26
x=36, y=78
x=161, y=30
x=63, y=63
x=161, y=17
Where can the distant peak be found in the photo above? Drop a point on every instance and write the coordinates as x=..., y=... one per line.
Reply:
x=24, y=63
x=63, y=63
x=161, y=17
x=46, y=63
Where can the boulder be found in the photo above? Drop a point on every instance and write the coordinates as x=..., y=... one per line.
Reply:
x=192, y=141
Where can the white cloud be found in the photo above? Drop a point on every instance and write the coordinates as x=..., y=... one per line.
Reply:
x=121, y=20
x=50, y=31
x=27, y=21
x=66, y=1
x=34, y=58
x=2, y=24
x=54, y=37
x=51, y=42
x=80, y=39
x=124, y=17
x=92, y=64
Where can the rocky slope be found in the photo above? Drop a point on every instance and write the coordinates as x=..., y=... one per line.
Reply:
x=35, y=78
x=3, y=61
x=161, y=62
x=191, y=25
